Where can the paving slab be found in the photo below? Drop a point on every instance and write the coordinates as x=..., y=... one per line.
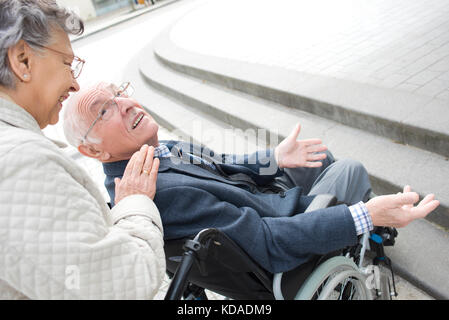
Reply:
x=367, y=40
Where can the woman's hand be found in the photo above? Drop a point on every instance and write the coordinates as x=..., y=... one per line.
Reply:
x=140, y=175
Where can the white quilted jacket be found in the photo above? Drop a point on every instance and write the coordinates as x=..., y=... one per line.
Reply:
x=58, y=238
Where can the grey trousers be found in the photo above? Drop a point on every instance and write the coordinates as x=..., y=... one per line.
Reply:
x=346, y=179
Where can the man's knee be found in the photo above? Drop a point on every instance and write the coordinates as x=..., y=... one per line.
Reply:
x=352, y=166
x=355, y=172
x=329, y=159
x=347, y=179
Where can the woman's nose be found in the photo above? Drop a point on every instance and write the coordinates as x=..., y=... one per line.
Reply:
x=75, y=85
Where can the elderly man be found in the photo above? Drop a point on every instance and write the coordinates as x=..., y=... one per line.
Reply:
x=257, y=199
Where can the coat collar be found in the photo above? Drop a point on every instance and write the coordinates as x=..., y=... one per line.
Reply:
x=16, y=116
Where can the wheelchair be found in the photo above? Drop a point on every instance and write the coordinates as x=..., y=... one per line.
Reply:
x=212, y=261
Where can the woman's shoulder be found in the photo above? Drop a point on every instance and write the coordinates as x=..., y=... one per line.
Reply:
x=13, y=139
x=24, y=149
x=30, y=160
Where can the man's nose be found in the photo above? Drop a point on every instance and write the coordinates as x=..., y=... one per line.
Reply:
x=123, y=107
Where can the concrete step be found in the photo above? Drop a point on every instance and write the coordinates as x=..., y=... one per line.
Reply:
x=201, y=100
x=401, y=116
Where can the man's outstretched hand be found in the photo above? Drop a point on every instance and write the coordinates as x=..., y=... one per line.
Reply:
x=398, y=210
x=292, y=153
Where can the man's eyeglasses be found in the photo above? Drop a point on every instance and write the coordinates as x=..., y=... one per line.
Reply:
x=77, y=63
x=108, y=107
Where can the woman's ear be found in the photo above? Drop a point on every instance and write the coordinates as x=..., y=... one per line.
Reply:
x=19, y=57
x=92, y=152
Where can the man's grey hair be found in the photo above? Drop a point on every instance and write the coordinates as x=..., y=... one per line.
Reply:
x=33, y=22
x=75, y=125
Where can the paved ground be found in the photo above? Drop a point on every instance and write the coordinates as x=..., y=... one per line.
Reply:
x=401, y=44
x=108, y=52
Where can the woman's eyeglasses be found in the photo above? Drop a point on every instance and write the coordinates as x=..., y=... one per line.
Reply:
x=77, y=63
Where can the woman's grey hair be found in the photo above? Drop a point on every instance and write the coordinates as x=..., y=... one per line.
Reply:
x=31, y=21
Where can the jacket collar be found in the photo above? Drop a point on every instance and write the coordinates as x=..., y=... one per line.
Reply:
x=16, y=116
x=173, y=163
x=114, y=169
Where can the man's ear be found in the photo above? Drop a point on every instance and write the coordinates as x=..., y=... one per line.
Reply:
x=19, y=57
x=92, y=152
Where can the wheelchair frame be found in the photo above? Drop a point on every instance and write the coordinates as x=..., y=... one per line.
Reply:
x=345, y=270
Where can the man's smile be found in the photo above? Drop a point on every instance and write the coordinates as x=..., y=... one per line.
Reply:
x=137, y=120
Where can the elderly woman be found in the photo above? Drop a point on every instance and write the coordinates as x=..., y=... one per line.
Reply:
x=58, y=237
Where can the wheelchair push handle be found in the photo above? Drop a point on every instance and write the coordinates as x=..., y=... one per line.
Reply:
x=179, y=281
x=194, y=251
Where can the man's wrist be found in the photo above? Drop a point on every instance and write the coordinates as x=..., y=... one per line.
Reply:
x=362, y=219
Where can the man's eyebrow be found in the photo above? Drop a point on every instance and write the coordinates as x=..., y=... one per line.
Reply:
x=97, y=102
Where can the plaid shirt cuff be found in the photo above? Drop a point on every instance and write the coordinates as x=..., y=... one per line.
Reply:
x=362, y=218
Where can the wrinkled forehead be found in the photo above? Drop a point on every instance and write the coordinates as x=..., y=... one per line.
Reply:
x=95, y=97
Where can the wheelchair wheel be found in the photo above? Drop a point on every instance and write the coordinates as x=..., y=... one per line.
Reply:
x=385, y=287
x=346, y=285
x=336, y=279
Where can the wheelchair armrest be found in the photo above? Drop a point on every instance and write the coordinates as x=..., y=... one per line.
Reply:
x=322, y=201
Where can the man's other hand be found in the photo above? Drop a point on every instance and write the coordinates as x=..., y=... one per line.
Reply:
x=293, y=153
x=398, y=210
